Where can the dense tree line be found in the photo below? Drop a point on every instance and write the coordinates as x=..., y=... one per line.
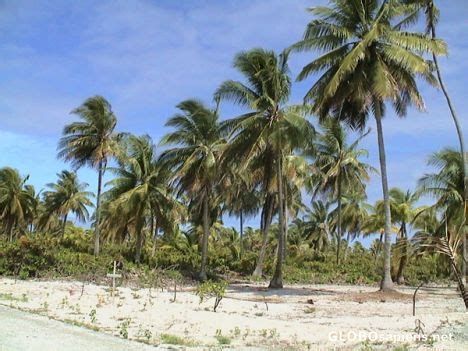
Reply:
x=264, y=161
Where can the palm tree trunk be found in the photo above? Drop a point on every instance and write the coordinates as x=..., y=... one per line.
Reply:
x=154, y=233
x=266, y=222
x=98, y=210
x=285, y=220
x=340, y=233
x=206, y=234
x=139, y=235
x=461, y=285
x=460, y=140
x=458, y=127
x=10, y=230
x=276, y=281
x=64, y=224
x=345, y=253
x=241, y=244
x=387, y=283
x=400, y=279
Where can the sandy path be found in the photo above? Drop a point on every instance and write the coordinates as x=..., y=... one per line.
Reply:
x=21, y=331
x=252, y=316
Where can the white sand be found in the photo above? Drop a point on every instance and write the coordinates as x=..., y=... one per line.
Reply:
x=290, y=320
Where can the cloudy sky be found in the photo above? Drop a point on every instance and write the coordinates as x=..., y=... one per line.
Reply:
x=145, y=56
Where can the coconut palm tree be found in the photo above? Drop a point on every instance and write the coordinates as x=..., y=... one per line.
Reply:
x=318, y=225
x=240, y=198
x=445, y=238
x=446, y=186
x=431, y=14
x=140, y=187
x=339, y=167
x=16, y=200
x=197, y=143
x=369, y=60
x=403, y=211
x=270, y=128
x=354, y=213
x=67, y=195
x=91, y=142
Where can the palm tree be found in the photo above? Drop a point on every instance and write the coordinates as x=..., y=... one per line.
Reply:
x=339, y=167
x=431, y=13
x=91, y=142
x=266, y=129
x=403, y=209
x=197, y=145
x=16, y=200
x=241, y=199
x=369, y=60
x=355, y=212
x=446, y=238
x=318, y=225
x=140, y=187
x=67, y=195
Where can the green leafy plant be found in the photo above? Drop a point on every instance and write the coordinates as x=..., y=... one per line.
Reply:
x=123, y=328
x=210, y=289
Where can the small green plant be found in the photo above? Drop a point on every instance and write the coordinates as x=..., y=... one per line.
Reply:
x=172, y=339
x=235, y=332
x=64, y=302
x=366, y=346
x=144, y=334
x=45, y=306
x=123, y=328
x=222, y=339
x=92, y=316
x=210, y=289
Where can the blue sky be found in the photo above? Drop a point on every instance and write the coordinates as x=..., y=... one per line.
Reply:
x=146, y=56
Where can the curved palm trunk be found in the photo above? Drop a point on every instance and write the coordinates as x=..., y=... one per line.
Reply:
x=206, y=233
x=340, y=231
x=64, y=224
x=400, y=279
x=460, y=140
x=458, y=276
x=266, y=222
x=98, y=210
x=387, y=283
x=276, y=281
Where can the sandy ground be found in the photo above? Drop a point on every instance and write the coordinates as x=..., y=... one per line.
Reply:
x=21, y=331
x=295, y=318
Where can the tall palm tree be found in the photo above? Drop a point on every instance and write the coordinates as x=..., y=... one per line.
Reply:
x=67, y=195
x=91, y=141
x=339, y=167
x=197, y=143
x=267, y=127
x=140, y=187
x=16, y=200
x=403, y=212
x=369, y=60
x=431, y=13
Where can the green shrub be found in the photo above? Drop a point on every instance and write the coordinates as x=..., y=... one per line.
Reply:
x=210, y=289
